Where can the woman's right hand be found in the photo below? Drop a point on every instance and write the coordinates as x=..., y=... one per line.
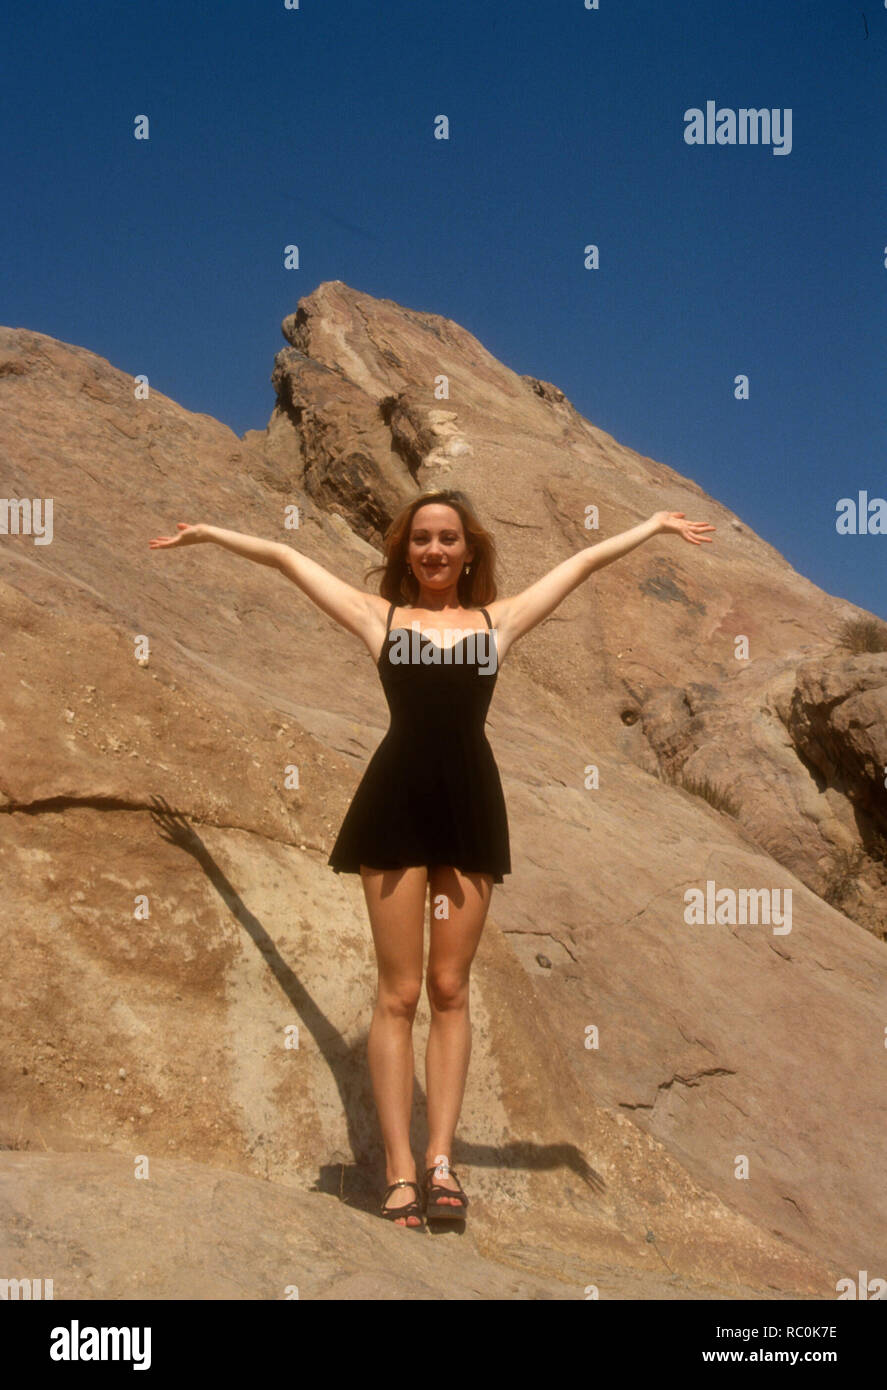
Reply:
x=188, y=535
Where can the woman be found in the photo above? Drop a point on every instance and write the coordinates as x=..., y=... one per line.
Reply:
x=429, y=814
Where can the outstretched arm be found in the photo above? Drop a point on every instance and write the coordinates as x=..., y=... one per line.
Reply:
x=352, y=608
x=519, y=614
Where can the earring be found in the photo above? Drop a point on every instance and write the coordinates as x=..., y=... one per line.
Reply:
x=467, y=569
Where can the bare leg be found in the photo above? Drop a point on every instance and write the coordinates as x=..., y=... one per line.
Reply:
x=465, y=898
x=396, y=904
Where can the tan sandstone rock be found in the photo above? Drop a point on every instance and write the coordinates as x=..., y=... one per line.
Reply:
x=167, y=782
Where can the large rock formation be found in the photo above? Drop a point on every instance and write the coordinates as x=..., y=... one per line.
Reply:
x=125, y=782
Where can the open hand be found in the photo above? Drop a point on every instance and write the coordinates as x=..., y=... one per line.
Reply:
x=188, y=535
x=690, y=530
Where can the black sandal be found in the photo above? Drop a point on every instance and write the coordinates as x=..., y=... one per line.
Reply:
x=408, y=1209
x=435, y=1209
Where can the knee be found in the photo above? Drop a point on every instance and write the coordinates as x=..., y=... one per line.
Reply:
x=447, y=990
x=400, y=1000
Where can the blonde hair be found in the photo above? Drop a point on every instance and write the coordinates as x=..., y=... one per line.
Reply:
x=399, y=584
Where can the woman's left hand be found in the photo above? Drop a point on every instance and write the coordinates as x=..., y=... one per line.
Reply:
x=690, y=530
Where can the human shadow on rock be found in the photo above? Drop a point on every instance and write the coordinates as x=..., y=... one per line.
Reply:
x=357, y=1182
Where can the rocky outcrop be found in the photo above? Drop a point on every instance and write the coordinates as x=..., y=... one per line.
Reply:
x=837, y=719
x=108, y=1226
x=806, y=776
x=171, y=916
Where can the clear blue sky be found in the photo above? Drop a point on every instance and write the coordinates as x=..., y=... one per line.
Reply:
x=314, y=126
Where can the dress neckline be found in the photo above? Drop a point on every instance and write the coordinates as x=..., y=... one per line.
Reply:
x=488, y=627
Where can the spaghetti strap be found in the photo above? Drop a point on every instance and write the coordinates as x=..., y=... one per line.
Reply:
x=390, y=616
x=487, y=616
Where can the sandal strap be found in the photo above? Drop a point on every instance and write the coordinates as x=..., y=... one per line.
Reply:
x=435, y=1187
x=402, y=1182
x=451, y=1173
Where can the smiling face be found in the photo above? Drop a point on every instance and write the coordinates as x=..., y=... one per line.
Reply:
x=437, y=548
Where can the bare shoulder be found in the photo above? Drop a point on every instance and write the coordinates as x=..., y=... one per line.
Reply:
x=377, y=615
x=497, y=610
x=500, y=616
x=373, y=632
x=378, y=605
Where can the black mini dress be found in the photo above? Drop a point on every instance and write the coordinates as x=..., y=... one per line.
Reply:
x=431, y=792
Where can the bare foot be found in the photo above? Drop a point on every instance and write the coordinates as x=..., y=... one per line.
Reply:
x=401, y=1197
x=447, y=1182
